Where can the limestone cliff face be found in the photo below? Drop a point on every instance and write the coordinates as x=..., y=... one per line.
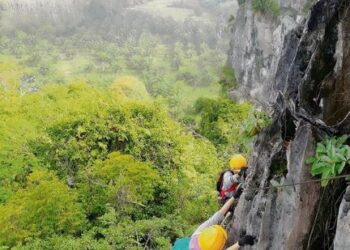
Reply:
x=311, y=86
x=256, y=45
x=342, y=239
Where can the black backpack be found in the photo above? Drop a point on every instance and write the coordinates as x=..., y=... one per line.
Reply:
x=220, y=180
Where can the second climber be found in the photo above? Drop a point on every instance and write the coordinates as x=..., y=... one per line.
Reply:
x=229, y=180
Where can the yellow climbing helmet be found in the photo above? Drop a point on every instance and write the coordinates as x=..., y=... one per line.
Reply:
x=238, y=162
x=212, y=238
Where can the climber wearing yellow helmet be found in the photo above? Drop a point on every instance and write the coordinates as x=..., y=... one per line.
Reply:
x=230, y=179
x=212, y=236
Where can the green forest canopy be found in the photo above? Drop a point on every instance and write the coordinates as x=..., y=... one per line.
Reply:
x=114, y=173
x=112, y=143
x=123, y=157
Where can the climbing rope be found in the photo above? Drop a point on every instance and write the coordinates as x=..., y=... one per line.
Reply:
x=299, y=183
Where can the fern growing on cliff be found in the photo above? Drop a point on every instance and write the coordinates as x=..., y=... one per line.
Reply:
x=331, y=157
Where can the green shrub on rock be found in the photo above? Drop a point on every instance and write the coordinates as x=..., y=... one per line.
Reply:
x=266, y=7
x=330, y=159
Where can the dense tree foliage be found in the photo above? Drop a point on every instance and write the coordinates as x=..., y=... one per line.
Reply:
x=113, y=143
x=171, y=72
x=71, y=166
x=230, y=126
x=116, y=172
x=221, y=119
x=44, y=207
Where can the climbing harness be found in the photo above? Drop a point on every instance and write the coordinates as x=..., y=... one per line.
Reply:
x=229, y=190
x=220, y=183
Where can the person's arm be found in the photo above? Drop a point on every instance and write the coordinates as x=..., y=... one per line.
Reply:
x=226, y=207
x=228, y=204
x=230, y=178
x=245, y=240
x=218, y=217
x=233, y=247
x=235, y=178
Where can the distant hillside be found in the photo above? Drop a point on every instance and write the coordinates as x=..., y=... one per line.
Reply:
x=191, y=21
x=67, y=13
x=183, y=9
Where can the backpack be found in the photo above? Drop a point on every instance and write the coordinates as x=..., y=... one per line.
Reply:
x=219, y=184
x=220, y=180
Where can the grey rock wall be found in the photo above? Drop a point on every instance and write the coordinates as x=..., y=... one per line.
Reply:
x=256, y=46
x=310, y=71
x=281, y=218
x=342, y=239
x=337, y=91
